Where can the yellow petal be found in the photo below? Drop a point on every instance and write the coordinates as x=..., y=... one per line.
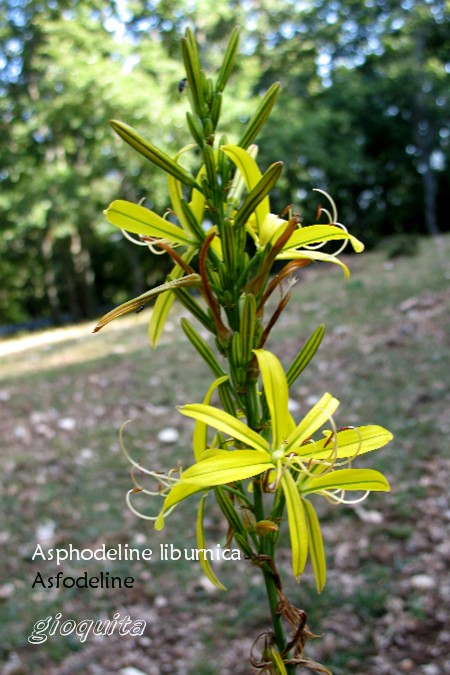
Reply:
x=222, y=421
x=348, y=479
x=315, y=418
x=227, y=467
x=348, y=443
x=276, y=393
x=315, y=234
x=297, y=524
x=201, y=546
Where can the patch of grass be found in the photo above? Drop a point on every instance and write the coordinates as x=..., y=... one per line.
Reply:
x=64, y=398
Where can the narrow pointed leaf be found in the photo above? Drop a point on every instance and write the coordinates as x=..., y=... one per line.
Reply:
x=228, y=61
x=229, y=511
x=316, y=548
x=248, y=324
x=349, y=443
x=305, y=355
x=276, y=393
x=313, y=420
x=176, y=197
x=141, y=300
x=200, y=429
x=201, y=546
x=164, y=302
x=277, y=661
x=139, y=220
x=192, y=65
x=348, y=479
x=202, y=347
x=259, y=193
x=161, y=311
x=261, y=115
x=197, y=203
x=191, y=304
x=297, y=524
x=154, y=154
x=222, y=421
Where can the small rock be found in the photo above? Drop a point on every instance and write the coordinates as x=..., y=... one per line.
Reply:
x=67, y=423
x=45, y=533
x=431, y=669
x=293, y=406
x=130, y=671
x=168, y=435
x=423, y=582
x=6, y=591
x=407, y=665
x=160, y=601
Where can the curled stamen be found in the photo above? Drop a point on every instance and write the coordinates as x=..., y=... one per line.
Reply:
x=156, y=251
x=334, y=498
x=331, y=200
x=136, y=242
x=165, y=480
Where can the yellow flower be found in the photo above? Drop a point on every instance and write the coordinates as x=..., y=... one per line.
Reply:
x=291, y=461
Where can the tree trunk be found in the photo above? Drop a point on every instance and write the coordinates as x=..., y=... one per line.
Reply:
x=50, y=282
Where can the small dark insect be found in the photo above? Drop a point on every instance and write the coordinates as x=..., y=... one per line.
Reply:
x=182, y=85
x=139, y=309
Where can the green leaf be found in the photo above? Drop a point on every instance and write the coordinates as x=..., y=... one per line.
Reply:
x=154, y=154
x=316, y=549
x=197, y=203
x=248, y=324
x=259, y=193
x=139, y=220
x=348, y=479
x=276, y=393
x=261, y=115
x=228, y=61
x=200, y=429
x=164, y=302
x=202, y=347
x=201, y=546
x=141, y=300
x=176, y=197
x=230, y=513
x=315, y=234
x=349, y=443
x=191, y=60
x=227, y=467
x=313, y=420
x=297, y=523
x=277, y=661
x=158, y=319
x=222, y=421
x=190, y=303
x=305, y=355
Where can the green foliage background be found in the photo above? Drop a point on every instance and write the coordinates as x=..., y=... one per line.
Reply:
x=364, y=114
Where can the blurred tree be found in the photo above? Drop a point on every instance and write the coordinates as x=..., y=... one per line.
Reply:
x=65, y=71
x=367, y=105
x=363, y=114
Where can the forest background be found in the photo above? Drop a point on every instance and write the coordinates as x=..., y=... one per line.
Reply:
x=363, y=114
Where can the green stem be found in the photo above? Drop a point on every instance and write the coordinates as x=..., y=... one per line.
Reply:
x=266, y=549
